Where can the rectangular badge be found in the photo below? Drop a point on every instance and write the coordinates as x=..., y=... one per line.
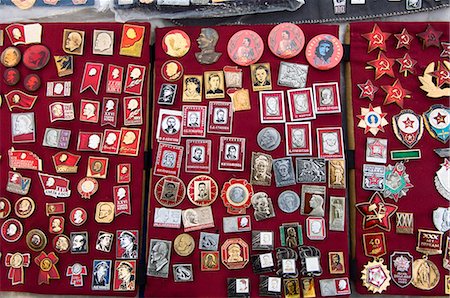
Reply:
x=376, y=150
x=220, y=117
x=56, y=138
x=429, y=242
x=330, y=142
x=109, y=113
x=130, y=141
x=134, y=80
x=198, y=156
x=132, y=110
x=92, y=75
x=124, y=281
x=61, y=111
x=132, y=40
x=194, y=121
x=17, y=183
x=298, y=138
x=167, y=218
x=231, y=154
x=300, y=102
x=114, y=79
x=123, y=173
x=168, y=160
x=197, y=219
x=234, y=224
x=97, y=167
x=334, y=286
x=336, y=173
x=122, y=199
x=59, y=88
x=101, y=275
x=374, y=245
x=313, y=200
x=89, y=110
x=373, y=177
x=159, y=258
x=337, y=214
x=23, y=128
x=311, y=170
x=89, y=141
x=326, y=97
x=167, y=94
x=55, y=208
x=169, y=126
x=214, y=84
x=271, y=107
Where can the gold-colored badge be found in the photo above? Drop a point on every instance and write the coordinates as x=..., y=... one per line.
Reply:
x=375, y=276
x=425, y=274
x=104, y=212
x=240, y=99
x=184, y=244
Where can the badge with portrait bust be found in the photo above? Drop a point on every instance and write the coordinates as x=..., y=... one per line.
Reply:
x=172, y=70
x=104, y=212
x=11, y=76
x=10, y=57
x=5, y=207
x=234, y=253
x=36, y=57
x=245, y=47
x=24, y=207
x=236, y=194
x=87, y=187
x=202, y=190
x=286, y=40
x=207, y=41
x=61, y=243
x=262, y=204
x=103, y=42
x=324, y=51
x=288, y=201
x=261, y=173
x=36, y=240
x=268, y=139
x=170, y=191
x=11, y=230
x=184, y=244
x=78, y=216
x=183, y=272
x=176, y=43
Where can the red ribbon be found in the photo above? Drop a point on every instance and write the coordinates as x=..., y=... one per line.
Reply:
x=15, y=274
x=48, y=269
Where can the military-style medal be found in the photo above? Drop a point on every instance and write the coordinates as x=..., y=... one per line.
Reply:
x=368, y=90
x=408, y=127
x=442, y=179
x=382, y=66
x=376, y=38
x=397, y=182
x=404, y=39
x=395, y=93
x=401, y=268
x=372, y=119
x=430, y=37
x=435, y=88
x=375, y=275
x=437, y=122
x=376, y=213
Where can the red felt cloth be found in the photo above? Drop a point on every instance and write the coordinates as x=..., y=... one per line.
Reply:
x=423, y=198
x=246, y=124
x=52, y=37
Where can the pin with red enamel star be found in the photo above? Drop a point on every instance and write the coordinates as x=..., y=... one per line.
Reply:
x=376, y=213
x=404, y=39
x=376, y=38
x=368, y=90
x=430, y=37
x=372, y=119
x=408, y=127
x=442, y=74
x=395, y=94
x=432, y=77
x=382, y=65
x=445, y=49
x=406, y=64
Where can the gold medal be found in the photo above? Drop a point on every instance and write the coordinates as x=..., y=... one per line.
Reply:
x=184, y=245
x=425, y=274
x=376, y=276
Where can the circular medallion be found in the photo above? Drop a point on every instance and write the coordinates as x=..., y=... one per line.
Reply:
x=11, y=230
x=202, y=190
x=87, y=187
x=16, y=260
x=439, y=118
x=10, y=57
x=5, y=208
x=32, y=82
x=324, y=51
x=372, y=119
x=36, y=57
x=61, y=243
x=170, y=191
x=411, y=122
x=78, y=216
x=36, y=240
x=172, y=70
x=11, y=76
x=286, y=40
x=245, y=47
x=24, y=207
x=288, y=201
x=184, y=244
x=236, y=195
x=425, y=274
x=76, y=268
x=176, y=43
x=268, y=138
x=46, y=264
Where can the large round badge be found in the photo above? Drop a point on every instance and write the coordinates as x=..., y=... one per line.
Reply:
x=32, y=82
x=87, y=187
x=78, y=216
x=268, y=138
x=202, y=190
x=172, y=70
x=236, y=195
x=184, y=244
x=170, y=191
x=288, y=201
x=24, y=207
x=176, y=43
x=61, y=243
x=425, y=274
x=36, y=240
x=11, y=230
x=324, y=51
x=36, y=57
x=11, y=76
x=245, y=47
x=5, y=208
x=286, y=40
x=10, y=57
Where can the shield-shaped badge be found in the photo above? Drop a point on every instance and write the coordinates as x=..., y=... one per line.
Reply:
x=437, y=122
x=401, y=268
x=408, y=127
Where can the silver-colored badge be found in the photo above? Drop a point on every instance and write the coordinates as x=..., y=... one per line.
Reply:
x=311, y=170
x=159, y=258
x=288, y=201
x=283, y=169
x=442, y=179
x=268, y=139
x=337, y=214
x=441, y=219
x=292, y=75
x=373, y=177
x=263, y=206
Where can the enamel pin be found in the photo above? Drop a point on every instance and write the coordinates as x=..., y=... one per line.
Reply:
x=17, y=262
x=437, y=122
x=236, y=195
x=430, y=37
x=404, y=223
x=24, y=159
x=440, y=221
x=445, y=50
x=401, y=268
x=404, y=39
x=55, y=186
x=24, y=34
x=76, y=273
x=376, y=213
x=425, y=273
x=368, y=90
x=395, y=93
x=372, y=119
x=47, y=265
x=377, y=39
x=406, y=64
x=36, y=240
x=20, y=100
x=132, y=40
x=87, y=187
x=17, y=183
x=64, y=65
x=442, y=179
x=433, y=80
x=382, y=66
x=396, y=181
x=408, y=127
x=66, y=162
x=11, y=230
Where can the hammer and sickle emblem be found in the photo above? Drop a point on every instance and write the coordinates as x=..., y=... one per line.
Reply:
x=378, y=39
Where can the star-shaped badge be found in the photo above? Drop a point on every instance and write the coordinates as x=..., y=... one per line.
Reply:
x=406, y=64
x=445, y=49
x=376, y=213
x=430, y=37
x=442, y=74
x=368, y=90
x=372, y=119
x=396, y=181
x=376, y=38
x=404, y=39
x=395, y=94
x=382, y=65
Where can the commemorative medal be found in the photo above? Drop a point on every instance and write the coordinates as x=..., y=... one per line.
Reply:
x=10, y=57
x=5, y=207
x=382, y=66
x=17, y=262
x=375, y=275
x=47, y=264
x=429, y=242
x=377, y=39
x=202, y=190
x=11, y=230
x=55, y=186
x=36, y=240
x=437, y=122
x=430, y=37
x=236, y=195
x=176, y=43
x=373, y=177
x=442, y=179
x=396, y=181
x=245, y=47
x=170, y=191
x=404, y=223
x=368, y=90
x=408, y=127
x=404, y=39
x=434, y=80
x=376, y=213
x=440, y=216
x=24, y=159
x=372, y=119
x=184, y=244
x=401, y=268
x=76, y=273
x=395, y=93
x=17, y=183
x=286, y=40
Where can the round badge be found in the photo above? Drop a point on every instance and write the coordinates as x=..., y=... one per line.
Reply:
x=10, y=57
x=16, y=260
x=32, y=82
x=36, y=57
x=24, y=207
x=286, y=40
x=87, y=187
x=172, y=70
x=36, y=240
x=268, y=138
x=236, y=194
x=170, y=191
x=78, y=216
x=288, y=201
x=245, y=47
x=11, y=230
x=184, y=244
x=176, y=43
x=11, y=76
x=5, y=208
x=324, y=51
x=76, y=269
x=202, y=190
x=61, y=243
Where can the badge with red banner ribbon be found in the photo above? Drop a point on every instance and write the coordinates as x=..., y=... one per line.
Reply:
x=55, y=186
x=20, y=100
x=24, y=34
x=16, y=263
x=122, y=199
x=47, y=267
x=24, y=159
x=374, y=244
x=92, y=76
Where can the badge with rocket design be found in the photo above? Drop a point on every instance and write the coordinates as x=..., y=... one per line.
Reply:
x=437, y=122
x=408, y=127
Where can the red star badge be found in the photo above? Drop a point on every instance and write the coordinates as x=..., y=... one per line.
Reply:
x=376, y=213
x=430, y=37
x=368, y=90
x=404, y=39
x=446, y=50
x=373, y=180
x=440, y=118
x=442, y=74
x=406, y=64
x=395, y=94
x=408, y=123
x=382, y=66
x=377, y=149
x=376, y=38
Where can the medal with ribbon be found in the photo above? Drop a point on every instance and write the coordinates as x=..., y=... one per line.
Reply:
x=16, y=263
x=47, y=267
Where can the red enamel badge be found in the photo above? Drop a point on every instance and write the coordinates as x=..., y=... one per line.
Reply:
x=376, y=38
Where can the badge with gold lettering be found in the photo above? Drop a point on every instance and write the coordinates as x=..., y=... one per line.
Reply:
x=404, y=223
x=401, y=268
x=122, y=201
x=24, y=159
x=374, y=245
x=17, y=262
x=429, y=242
x=61, y=111
x=134, y=80
x=376, y=213
x=55, y=186
x=114, y=79
x=66, y=162
x=109, y=113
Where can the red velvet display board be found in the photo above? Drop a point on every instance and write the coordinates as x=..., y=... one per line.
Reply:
x=52, y=37
x=423, y=198
x=246, y=124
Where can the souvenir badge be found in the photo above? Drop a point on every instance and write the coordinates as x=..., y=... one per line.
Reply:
x=261, y=76
x=376, y=150
x=234, y=253
x=268, y=138
x=437, y=122
x=262, y=240
x=89, y=110
x=337, y=214
x=24, y=159
x=404, y=39
x=17, y=262
x=103, y=42
x=292, y=75
x=375, y=276
x=220, y=117
x=326, y=97
x=309, y=261
x=169, y=126
x=429, y=242
x=110, y=143
x=101, y=275
x=291, y=235
x=194, y=121
x=55, y=208
x=104, y=212
x=425, y=274
x=238, y=287
x=445, y=50
x=340, y=6
x=73, y=42
x=183, y=273
x=336, y=262
x=130, y=141
x=122, y=199
x=55, y=186
x=208, y=241
x=408, y=127
x=192, y=88
x=184, y=245
x=245, y=47
x=17, y=183
x=447, y=283
x=76, y=273
x=261, y=166
x=233, y=76
x=395, y=93
x=404, y=223
x=231, y=154
x=167, y=94
x=127, y=244
x=24, y=207
x=20, y=100
x=324, y=52
x=401, y=268
x=396, y=181
x=406, y=154
x=1, y=38
x=372, y=119
x=97, y=167
x=10, y=57
x=58, y=88
x=47, y=264
x=313, y=200
x=377, y=39
x=5, y=208
x=310, y=170
x=442, y=74
x=440, y=216
x=301, y=104
x=11, y=230
x=446, y=259
x=132, y=40
x=283, y=169
x=176, y=43
x=433, y=80
x=89, y=141
x=368, y=90
x=92, y=76
x=114, y=79
x=413, y=4
x=64, y=65
x=286, y=40
x=125, y=275
x=235, y=224
x=315, y=228
x=430, y=37
x=168, y=160
x=104, y=241
x=262, y=263
x=373, y=177
x=441, y=180
x=374, y=245
x=11, y=77
x=134, y=79
x=61, y=243
x=123, y=173
x=109, y=113
x=56, y=224
x=335, y=286
x=78, y=216
x=132, y=110
x=170, y=191
x=198, y=156
x=376, y=213
x=236, y=195
x=61, y=111
x=406, y=64
x=262, y=204
x=197, y=218
x=202, y=190
x=159, y=258
x=207, y=41
x=307, y=286
x=79, y=242
x=271, y=107
x=330, y=144
x=56, y=138
x=382, y=66
x=36, y=57
x=336, y=173
x=270, y=286
x=172, y=70
x=240, y=99
x=23, y=128
x=214, y=84
x=66, y=162
x=24, y=34
x=292, y=288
